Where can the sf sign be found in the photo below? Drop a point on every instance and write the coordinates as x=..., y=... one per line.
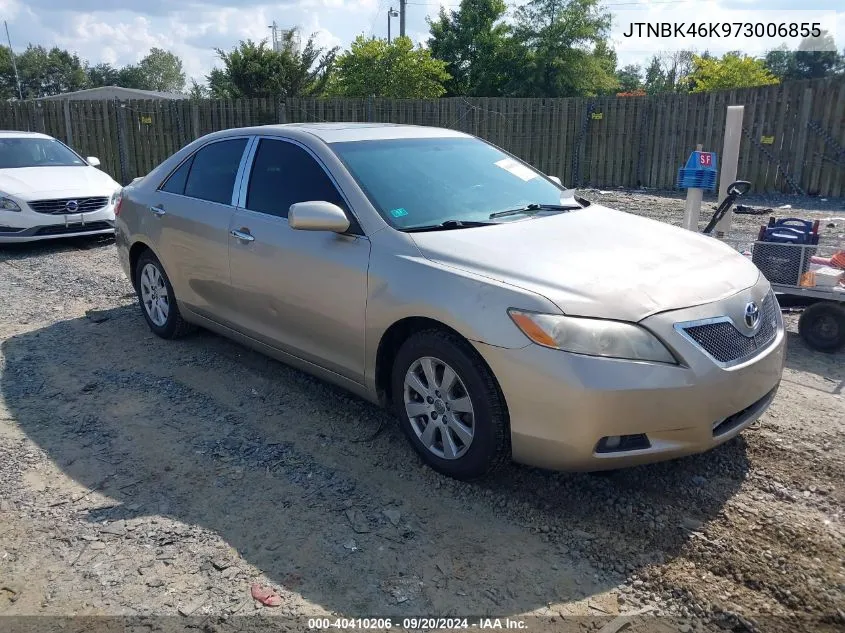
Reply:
x=705, y=159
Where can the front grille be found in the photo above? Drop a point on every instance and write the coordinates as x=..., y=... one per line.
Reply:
x=727, y=344
x=59, y=229
x=60, y=205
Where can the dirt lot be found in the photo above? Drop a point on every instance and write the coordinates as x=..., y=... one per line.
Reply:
x=146, y=477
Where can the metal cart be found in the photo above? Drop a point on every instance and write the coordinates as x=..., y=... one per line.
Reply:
x=799, y=274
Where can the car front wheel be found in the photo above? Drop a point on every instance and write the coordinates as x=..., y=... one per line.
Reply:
x=449, y=405
x=158, y=302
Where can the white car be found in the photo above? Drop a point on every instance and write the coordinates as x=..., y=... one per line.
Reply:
x=49, y=191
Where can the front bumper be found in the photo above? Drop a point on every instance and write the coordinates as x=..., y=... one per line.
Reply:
x=561, y=405
x=30, y=227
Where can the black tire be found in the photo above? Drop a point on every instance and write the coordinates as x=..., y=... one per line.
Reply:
x=490, y=447
x=822, y=326
x=174, y=326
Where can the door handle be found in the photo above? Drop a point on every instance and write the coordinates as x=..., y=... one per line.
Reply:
x=243, y=235
x=158, y=211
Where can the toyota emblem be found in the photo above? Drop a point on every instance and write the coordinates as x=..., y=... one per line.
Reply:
x=752, y=315
x=72, y=206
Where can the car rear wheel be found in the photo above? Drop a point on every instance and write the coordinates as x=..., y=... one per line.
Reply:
x=158, y=302
x=449, y=405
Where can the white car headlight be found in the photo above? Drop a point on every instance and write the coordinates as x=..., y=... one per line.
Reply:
x=7, y=204
x=115, y=197
x=593, y=337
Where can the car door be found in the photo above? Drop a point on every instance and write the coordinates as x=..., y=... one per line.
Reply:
x=304, y=292
x=191, y=211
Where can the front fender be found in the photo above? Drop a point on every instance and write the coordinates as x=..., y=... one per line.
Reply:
x=408, y=285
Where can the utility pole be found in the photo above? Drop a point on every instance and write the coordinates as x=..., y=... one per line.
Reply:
x=402, y=4
x=391, y=13
x=14, y=65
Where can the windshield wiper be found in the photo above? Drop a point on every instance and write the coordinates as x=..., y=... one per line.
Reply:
x=534, y=207
x=447, y=225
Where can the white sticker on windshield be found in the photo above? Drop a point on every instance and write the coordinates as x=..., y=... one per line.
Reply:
x=517, y=169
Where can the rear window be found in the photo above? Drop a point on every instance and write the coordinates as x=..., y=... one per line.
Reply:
x=177, y=180
x=214, y=169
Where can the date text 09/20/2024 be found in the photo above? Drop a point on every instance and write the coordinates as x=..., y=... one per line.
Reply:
x=412, y=624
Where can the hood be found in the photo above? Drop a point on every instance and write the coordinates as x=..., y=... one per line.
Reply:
x=597, y=262
x=34, y=183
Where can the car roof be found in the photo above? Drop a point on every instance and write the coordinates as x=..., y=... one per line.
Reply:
x=346, y=132
x=16, y=134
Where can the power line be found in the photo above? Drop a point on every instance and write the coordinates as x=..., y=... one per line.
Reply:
x=375, y=17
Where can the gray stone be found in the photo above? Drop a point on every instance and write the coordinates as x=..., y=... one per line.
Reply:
x=691, y=524
x=392, y=515
x=358, y=521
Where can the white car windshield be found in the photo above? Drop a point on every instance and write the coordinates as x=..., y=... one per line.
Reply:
x=36, y=152
x=420, y=182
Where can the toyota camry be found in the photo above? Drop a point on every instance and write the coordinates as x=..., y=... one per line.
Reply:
x=498, y=314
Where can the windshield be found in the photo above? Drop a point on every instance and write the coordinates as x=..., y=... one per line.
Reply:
x=36, y=152
x=426, y=181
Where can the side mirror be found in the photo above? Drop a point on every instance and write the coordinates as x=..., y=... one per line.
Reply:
x=93, y=161
x=556, y=179
x=317, y=216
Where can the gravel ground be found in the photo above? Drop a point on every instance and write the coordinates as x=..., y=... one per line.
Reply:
x=669, y=207
x=143, y=477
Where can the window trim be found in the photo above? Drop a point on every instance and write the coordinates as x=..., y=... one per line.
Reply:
x=238, y=175
x=240, y=200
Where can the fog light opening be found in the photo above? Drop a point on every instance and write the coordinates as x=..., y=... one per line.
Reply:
x=622, y=443
x=612, y=443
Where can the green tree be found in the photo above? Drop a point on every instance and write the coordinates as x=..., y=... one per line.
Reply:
x=8, y=84
x=131, y=76
x=808, y=62
x=160, y=70
x=630, y=78
x=733, y=70
x=255, y=70
x=605, y=55
x=781, y=62
x=103, y=74
x=42, y=72
x=567, y=48
x=198, y=90
x=478, y=47
x=667, y=72
x=396, y=70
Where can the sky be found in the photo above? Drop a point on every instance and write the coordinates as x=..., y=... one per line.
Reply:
x=123, y=31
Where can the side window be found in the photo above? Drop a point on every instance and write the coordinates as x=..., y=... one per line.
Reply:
x=284, y=174
x=176, y=182
x=213, y=172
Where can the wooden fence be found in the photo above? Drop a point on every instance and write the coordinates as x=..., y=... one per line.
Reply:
x=793, y=141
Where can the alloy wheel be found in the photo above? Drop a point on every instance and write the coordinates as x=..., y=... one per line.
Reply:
x=154, y=295
x=439, y=408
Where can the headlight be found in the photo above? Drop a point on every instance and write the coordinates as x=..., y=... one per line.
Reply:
x=7, y=204
x=594, y=337
x=115, y=197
